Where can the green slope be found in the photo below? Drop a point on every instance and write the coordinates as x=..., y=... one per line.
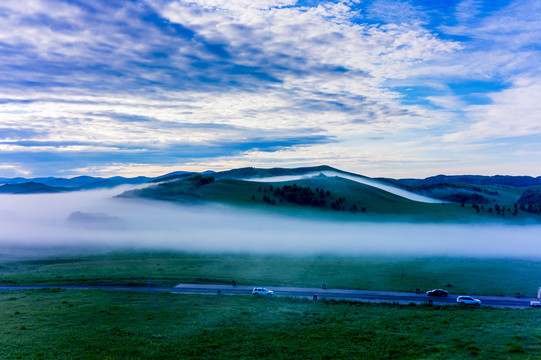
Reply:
x=343, y=199
x=467, y=193
x=251, y=172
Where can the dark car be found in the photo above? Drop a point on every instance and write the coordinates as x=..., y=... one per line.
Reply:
x=437, y=292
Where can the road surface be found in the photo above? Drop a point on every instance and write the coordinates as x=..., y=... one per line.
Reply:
x=355, y=295
x=330, y=294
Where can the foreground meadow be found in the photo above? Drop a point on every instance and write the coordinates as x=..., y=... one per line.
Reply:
x=479, y=276
x=95, y=324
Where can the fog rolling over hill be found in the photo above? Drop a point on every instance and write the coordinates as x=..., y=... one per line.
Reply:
x=31, y=224
x=324, y=192
x=360, y=179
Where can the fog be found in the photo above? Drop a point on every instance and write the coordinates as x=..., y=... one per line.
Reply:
x=96, y=221
x=389, y=188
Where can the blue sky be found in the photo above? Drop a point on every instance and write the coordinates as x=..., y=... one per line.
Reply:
x=378, y=87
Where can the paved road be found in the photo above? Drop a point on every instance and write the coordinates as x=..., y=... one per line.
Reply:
x=356, y=295
x=337, y=294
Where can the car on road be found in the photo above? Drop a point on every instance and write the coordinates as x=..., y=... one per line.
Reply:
x=262, y=291
x=437, y=292
x=468, y=300
x=535, y=303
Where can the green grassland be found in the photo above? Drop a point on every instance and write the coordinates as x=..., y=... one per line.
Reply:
x=457, y=275
x=94, y=324
x=360, y=202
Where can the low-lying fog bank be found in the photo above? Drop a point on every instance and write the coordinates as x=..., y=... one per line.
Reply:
x=94, y=220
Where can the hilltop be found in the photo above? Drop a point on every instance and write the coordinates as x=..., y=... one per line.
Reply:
x=326, y=191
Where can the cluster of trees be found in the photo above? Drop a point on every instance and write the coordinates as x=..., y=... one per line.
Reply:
x=267, y=199
x=502, y=210
x=499, y=210
x=466, y=198
x=534, y=209
x=530, y=201
x=200, y=180
x=301, y=195
x=488, y=192
x=305, y=196
x=338, y=204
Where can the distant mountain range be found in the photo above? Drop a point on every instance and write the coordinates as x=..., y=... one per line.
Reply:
x=456, y=188
x=54, y=185
x=497, y=180
x=31, y=187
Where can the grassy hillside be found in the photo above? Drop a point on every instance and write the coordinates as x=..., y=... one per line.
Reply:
x=481, y=190
x=334, y=197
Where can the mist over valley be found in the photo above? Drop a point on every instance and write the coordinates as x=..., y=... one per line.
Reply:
x=99, y=220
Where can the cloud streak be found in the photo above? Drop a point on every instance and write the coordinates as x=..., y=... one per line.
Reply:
x=155, y=80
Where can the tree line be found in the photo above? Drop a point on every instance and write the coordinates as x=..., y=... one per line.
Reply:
x=305, y=196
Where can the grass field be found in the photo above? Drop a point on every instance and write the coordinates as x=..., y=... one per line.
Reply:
x=94, y=324
x=457, y=275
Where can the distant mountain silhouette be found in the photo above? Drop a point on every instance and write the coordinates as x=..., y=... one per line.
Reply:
x=30, y=188
x=497, y=180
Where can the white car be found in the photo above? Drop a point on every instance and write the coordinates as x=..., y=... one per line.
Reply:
x=262, y=291
x=468, y=300
x=535, y=303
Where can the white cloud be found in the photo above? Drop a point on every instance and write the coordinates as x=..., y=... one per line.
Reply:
x=299, y=46
x=12, y=170
x=467, y=10
x=513, y=112
x=245, y=71
x=392, y=11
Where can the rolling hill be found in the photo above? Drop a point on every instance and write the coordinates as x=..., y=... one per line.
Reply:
x=326, y=191
x=312, y=192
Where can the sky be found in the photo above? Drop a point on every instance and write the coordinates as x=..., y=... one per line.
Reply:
x=408, y=88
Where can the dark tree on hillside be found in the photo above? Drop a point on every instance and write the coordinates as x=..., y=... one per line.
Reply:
x=530, y=201
x=199, y=180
